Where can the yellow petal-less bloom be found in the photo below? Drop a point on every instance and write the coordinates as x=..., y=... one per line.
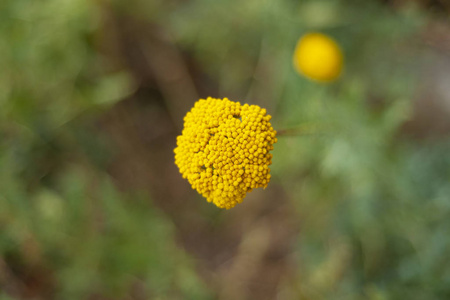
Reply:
x=223, y=150
x=318, y=57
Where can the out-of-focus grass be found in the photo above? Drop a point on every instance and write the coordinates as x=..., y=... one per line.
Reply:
x=90, y=240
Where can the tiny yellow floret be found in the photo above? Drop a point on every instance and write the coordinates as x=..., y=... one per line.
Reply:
x=318, y=57
x=223, y=150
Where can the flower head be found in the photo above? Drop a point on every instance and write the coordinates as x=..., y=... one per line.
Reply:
x=318, y=57
x=223, y=150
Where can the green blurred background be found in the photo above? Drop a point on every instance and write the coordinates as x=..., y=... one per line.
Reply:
x=92, y=97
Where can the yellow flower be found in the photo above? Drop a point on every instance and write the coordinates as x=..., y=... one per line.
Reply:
x=223, y=150
x=318, y=57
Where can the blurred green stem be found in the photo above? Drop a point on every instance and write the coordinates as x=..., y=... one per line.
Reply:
x=306, y=129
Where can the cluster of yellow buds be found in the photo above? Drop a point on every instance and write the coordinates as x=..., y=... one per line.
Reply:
x=223, y=150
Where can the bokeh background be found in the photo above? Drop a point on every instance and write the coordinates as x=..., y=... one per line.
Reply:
x=92, y=97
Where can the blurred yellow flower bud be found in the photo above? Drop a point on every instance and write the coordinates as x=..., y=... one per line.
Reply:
x=318, y=57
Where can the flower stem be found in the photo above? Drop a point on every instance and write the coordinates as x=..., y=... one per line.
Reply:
x=307, y=129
